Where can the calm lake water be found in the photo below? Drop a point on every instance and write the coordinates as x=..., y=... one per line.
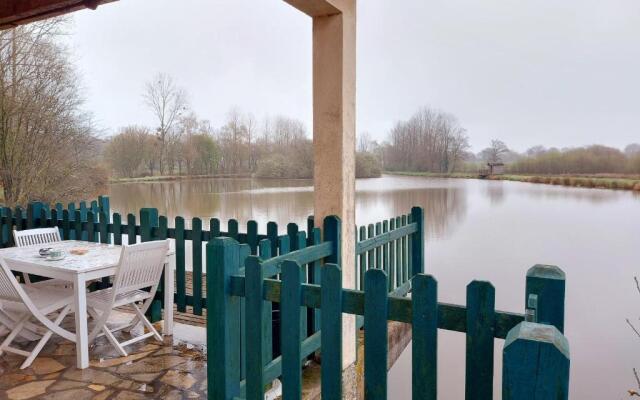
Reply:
x=486, y=230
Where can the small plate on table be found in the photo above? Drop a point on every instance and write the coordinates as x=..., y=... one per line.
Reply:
x=54, y=258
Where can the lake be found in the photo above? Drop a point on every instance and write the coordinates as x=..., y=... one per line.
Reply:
x=485, y=230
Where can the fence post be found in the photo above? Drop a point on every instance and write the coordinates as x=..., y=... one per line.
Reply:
x=223, y=320
x=417, y=242
x=544, y=295
x=535, y=363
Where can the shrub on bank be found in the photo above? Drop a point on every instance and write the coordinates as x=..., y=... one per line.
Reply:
x=368, y=166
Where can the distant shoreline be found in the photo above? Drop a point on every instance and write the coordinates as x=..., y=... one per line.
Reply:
x=168, y=178
x=595, y=181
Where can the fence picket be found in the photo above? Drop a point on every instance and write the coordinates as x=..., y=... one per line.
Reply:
x=385, y=252
x=363, y=259
x=181, y=274
x=90, y=227
x=371, y=254
x=43, y=221
x=104, y=228
x=252, y=236
x=83, y=218
x=253, y=320
x=315, y=277
x=331, y=333
x=71, y=213
x=267, y=317
x=214, y=228
x=301, y=243
x=196, y=257
x=66, y=225
x=21, y=221
x=392, y=257
x=244, y=251
x=480, y=334
x=117, y=229
x=272, y=235
x=405, y=252
x=424, y=350
x=7, y=227
x=131, y=229
x=379, y=248
x=290, y=332
x=232, y=227
x=375, y=338
x=417, y=242
x=398, y=251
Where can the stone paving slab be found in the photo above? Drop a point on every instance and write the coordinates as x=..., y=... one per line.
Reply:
x=153, y=370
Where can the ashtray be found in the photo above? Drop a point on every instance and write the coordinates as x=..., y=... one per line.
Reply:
x=44, y=252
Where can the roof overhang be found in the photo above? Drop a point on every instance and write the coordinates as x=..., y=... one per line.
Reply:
x=18, y=12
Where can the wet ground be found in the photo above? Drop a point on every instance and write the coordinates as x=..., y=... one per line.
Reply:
x=153, y=370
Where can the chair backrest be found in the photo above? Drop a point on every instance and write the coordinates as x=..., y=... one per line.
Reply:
x=30, y=237
x=140, y=266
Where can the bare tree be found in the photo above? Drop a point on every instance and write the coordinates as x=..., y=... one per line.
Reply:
x=167, y=102
x=124, y=150
x=47, y=144
x=430, y=141
x=495, y=152
x=364, y=142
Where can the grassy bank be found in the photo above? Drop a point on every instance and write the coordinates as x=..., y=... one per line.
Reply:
x=175, y=178
x=601, y=181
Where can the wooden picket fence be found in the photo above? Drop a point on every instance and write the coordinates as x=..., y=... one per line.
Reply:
x=93, y=221
x=249, y=275
x=535, y=354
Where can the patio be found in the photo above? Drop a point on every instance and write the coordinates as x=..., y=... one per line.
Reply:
x=175, y=369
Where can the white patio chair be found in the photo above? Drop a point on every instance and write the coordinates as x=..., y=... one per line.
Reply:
x=27, y=303
x=140, y=267
x=31, y=237
x=8, y=322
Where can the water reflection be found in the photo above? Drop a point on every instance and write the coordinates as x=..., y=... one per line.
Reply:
x=285, y=201
x=489, y=230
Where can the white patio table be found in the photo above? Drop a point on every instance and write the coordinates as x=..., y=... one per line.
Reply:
x=100, y=261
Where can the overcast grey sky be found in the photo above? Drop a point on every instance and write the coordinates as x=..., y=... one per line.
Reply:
x=557, y=73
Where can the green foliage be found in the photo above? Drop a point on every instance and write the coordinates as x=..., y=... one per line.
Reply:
x=204, y=154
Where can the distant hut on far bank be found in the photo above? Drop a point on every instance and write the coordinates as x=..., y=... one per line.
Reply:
x=492, y=168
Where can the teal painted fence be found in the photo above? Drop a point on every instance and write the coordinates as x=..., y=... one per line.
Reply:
x=535, y=354
x=251, y=275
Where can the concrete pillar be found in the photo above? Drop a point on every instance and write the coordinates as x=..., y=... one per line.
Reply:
x=334, y=95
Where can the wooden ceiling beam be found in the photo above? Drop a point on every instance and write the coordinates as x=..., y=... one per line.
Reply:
x=19, y=12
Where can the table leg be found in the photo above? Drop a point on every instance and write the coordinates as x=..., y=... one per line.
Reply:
x=80, y=307
x=169, y=268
